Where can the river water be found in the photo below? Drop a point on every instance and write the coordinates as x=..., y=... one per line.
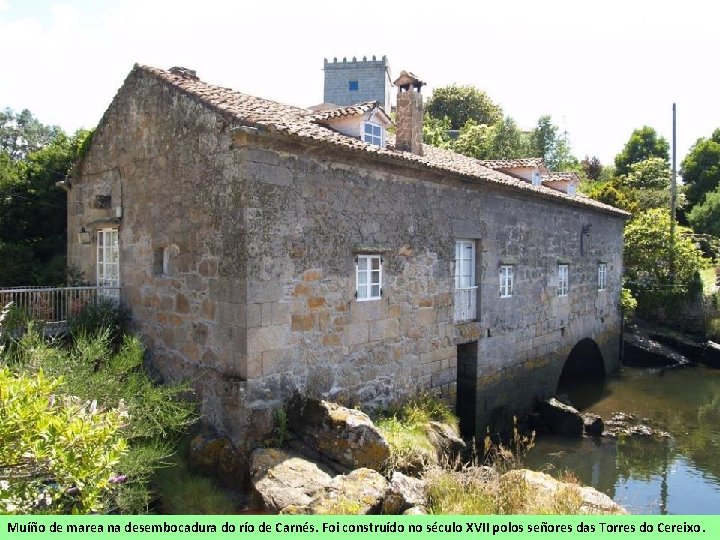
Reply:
x=675, y=475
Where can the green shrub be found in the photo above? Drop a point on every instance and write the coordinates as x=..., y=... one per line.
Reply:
x=101, y=314
x=628, y=304
x=58, y=452
x=94, y=370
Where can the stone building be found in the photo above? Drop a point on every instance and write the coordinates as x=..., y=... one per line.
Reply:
x=265, y=249
x=348, y=82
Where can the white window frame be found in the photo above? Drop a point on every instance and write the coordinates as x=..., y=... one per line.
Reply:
x=563, y=280
x=507, y=280
x=108, y=261
x=536, y=178
x=372, y=138
x=571, y=190
x=368, y=280
x=464, y=280
x=602, y=276
x=465, y=287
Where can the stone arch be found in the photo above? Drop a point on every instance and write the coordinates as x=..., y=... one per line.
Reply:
x=583, y=374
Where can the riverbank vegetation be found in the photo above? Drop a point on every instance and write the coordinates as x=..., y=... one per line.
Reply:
x=84, y=427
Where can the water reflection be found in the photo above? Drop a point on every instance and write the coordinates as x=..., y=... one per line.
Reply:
x=680, y=474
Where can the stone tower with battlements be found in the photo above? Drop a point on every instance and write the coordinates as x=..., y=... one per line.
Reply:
x=353, y=81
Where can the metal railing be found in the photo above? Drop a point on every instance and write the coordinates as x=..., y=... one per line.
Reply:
x=52, y=305
x=465, y=304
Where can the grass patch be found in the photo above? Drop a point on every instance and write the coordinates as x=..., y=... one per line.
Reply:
x=184, y=492
x=407, y=430
x=481, y=491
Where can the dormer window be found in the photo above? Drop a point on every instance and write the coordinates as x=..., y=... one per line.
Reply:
x=373, y=134
x=571, y=189
x=536, y=178
x=366, y=122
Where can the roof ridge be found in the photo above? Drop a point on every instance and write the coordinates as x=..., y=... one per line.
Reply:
x=289, y=120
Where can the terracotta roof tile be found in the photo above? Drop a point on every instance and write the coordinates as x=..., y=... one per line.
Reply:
x=500, y=164
x=244, y=110
x=560, y=177
x=358, y=109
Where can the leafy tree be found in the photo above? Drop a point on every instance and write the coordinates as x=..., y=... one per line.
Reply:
x=435, y=131
x=462, y=103
x=22, y=133
x=33, y=212
x=649, y=254
x=592, y=167
x=700, y=169
x=503, y=140
x=648, y=183
x=644, y=143
x=614, y=194
x=547, y=142
x=705, y=217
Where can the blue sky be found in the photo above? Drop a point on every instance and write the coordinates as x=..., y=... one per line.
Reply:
x=600, y=69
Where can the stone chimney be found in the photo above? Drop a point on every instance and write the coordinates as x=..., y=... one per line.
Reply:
x=409, y=120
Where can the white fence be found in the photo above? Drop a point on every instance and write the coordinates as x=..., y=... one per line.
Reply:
x=466, y=304
x=53, y=305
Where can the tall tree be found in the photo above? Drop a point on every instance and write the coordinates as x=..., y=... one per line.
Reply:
x=503, y=140
x=644, y=143
x=547, y=142
x=700, y=169
x=705, y=216
x=648, y=252
x=463, y=103
x=22, y=133
x=592, y=167
x=33, y=213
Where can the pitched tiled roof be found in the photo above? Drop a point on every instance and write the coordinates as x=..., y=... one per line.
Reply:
x=358, y=109
x=560, y=177
x=270, y=116
x=500, y=164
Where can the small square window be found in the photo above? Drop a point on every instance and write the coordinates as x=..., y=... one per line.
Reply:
x=507, y=281
x=373, y=134
x=563, y=281
x=353, y=86
x=368, y=277
x=602, y=276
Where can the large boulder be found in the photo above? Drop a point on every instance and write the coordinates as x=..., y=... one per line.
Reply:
x=284, y=478
x=360, y=492
x=641, y=350
x=403, y=493
x=344, y=435
x=560, y=419
x=543, y=488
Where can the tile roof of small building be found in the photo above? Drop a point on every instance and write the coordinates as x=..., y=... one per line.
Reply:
x=274, y=117
x=560, y=177
x=358, y=109
x=500, y=164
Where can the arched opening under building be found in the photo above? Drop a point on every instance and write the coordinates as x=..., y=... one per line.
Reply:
x=583, y=376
